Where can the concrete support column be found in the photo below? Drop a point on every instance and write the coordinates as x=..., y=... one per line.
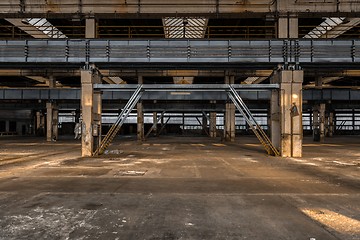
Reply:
x=7, y=126
x=52, y=82
x=140, y=116
x=90, y=28
x=286, y=113
x=155, y=129
x=52, y=121
x=204, y=124
x=316, y=124
x=212, y=127
x=322, y=121
x=91, y=112
x=37, y=122
x=229, y=115
x=326, y=124
x=288, y=27
x=331, y=124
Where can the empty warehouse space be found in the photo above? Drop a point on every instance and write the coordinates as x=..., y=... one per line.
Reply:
x=190, y=120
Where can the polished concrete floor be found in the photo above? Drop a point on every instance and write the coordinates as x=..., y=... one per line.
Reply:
x=179, y=188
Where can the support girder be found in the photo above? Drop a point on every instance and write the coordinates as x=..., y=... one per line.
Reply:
x=68, y=95
x=118, y=8
x=181, y=54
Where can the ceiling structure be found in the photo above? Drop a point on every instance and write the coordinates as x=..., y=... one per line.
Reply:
x=157, y=19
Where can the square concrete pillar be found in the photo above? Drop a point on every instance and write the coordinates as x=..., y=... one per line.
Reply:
x=91, y=112
x=52, y=82
x=7, y=126
x=316, y=124
x=140, y=116
x=37, y=121
x=288, y=27
x=204, y=124
x=212, y=125
x=155, y=123
x=322, y=121
x=140, y=122
x=90, y=28
x=52, y=121
x=229, y=127
x=230, y=122
x=331, y=124
x=286, y=113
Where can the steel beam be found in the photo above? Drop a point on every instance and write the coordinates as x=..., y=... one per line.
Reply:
x=180, y=54
x=184, y=87
x=115, y=8
x=68, y=95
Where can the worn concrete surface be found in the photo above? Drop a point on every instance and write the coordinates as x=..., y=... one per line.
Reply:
x=179, y=188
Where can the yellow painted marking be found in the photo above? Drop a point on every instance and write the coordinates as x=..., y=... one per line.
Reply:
x=219, y=145
x=252, y=144
x=334, y=220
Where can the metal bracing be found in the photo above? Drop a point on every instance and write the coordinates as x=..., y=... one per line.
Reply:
x=155, y=124
x=119, y=121
x=190, y=54
x=250, y=120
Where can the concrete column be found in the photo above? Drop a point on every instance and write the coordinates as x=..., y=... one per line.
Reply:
x=97, y=111
x=204, y=124
x=7, y=126
x=155, y=129
x=316, y=124
x=140, y=122
x=288, y=27
x=90, y=28
x=55, y=124
x=353, y=119
x=140, y=116
x=37, y=122
x=52, y=121
x=326, y=132
x=322, y=121
x=91, y=112
x=286, y=113
x=52, y=82
x=212, y=128
x=49, y=123
x=331, y=124
x=229, y=115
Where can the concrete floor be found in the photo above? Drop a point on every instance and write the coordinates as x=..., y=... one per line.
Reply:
x=179, y=188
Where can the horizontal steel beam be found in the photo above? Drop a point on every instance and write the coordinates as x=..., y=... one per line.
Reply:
x=67, y=95
x=185, y=87
x=116, y=8
x=180, y=54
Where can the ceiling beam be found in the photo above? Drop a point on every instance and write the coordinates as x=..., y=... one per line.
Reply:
x=199, y=8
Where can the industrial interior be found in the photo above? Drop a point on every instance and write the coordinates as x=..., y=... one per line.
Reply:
x=151, y=119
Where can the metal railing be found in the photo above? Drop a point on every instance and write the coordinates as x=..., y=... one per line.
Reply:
x=160, y=31
x=150, y=32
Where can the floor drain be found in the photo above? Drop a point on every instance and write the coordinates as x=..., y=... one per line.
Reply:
x=131, y=173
